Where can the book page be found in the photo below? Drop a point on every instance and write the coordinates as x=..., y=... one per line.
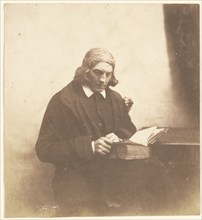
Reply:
x=142, y=136
x=156, y=133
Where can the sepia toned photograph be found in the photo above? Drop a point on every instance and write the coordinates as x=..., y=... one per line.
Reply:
x=100, y=106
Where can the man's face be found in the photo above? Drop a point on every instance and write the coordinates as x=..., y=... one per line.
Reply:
x=100, y=76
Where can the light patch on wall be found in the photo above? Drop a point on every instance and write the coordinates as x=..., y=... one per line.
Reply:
x=44, y=44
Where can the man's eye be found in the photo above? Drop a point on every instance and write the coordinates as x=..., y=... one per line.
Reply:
x=97, y=72
x=100, y=73
x=108, y=74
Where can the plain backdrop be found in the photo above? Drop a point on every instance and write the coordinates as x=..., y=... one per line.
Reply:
x=43, y=46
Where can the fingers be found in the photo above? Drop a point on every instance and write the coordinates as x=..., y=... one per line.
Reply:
x=113, y=137
x=110, y=137
x=128, y=101
x=102, y=146
x=103, y=150
x=106, y=142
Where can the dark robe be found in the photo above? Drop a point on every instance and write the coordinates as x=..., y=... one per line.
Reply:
x=69, y=126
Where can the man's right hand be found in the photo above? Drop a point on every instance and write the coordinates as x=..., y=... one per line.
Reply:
x=102, y=146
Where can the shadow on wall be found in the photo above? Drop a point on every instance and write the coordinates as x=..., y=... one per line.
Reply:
x=182, y=32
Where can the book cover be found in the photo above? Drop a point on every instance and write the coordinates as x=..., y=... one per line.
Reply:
x=137, y=147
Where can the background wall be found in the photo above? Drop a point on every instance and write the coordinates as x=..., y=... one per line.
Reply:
x=44, y=44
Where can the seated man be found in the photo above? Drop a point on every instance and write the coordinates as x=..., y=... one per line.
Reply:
x=79, y=127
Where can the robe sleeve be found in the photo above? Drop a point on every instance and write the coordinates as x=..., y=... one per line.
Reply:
x=55, y=143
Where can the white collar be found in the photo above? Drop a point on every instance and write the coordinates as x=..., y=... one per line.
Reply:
x=89, y=92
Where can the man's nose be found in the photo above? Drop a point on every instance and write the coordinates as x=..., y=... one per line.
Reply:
x=103, y=77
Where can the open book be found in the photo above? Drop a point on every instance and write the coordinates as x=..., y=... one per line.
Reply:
x=145, y=136
x=137, y=146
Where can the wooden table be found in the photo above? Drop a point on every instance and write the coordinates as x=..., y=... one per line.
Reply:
x=178, y=146
x=179, y=150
